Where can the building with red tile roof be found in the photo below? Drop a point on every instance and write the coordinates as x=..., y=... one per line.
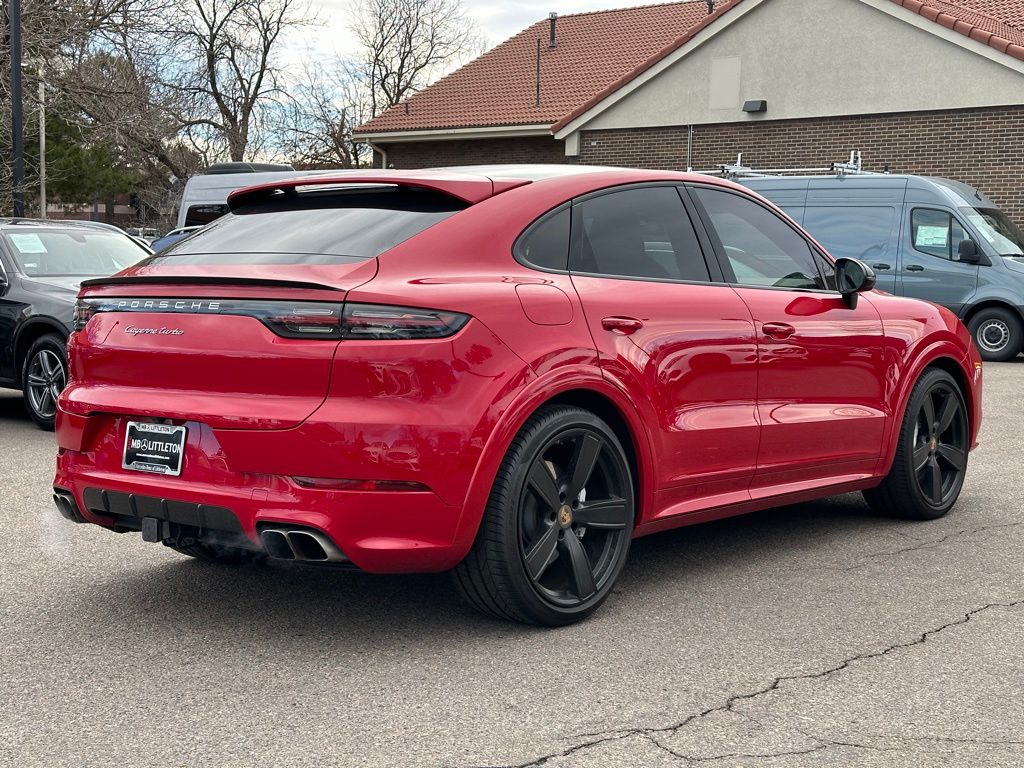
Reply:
x=931, y=86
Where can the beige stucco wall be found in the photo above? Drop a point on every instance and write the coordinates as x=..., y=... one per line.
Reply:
x=813, y=58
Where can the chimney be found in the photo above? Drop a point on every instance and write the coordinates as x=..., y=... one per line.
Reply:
x=552, y=20
x=711, y=7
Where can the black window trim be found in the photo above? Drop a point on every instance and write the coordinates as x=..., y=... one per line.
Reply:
x=723, y=259
x=517, y=251
x=575, y=236
x=914, y=208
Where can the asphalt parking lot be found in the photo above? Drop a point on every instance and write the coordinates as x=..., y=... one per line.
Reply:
x=815, y=635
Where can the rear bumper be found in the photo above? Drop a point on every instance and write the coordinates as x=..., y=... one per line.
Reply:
x=378, y=531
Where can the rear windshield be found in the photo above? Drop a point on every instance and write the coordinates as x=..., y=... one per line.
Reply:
x=72, y=253
x=314, y=228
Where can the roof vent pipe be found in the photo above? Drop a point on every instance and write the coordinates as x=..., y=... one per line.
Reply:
x=711, y=7
x=552, y=20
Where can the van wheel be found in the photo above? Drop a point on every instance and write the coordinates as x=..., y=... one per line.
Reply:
x=558, y=524
x=998, y=334
x=931, y=457
x=43, y=376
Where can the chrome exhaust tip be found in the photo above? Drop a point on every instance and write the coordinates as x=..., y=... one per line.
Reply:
x=301, y=545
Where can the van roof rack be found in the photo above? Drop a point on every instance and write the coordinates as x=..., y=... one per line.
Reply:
x=737, y=170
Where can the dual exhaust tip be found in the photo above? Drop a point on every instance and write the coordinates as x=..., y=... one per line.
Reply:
x=301, y=545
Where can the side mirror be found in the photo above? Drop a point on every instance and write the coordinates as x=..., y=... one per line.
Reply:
x=968, y=252
x=853, y=277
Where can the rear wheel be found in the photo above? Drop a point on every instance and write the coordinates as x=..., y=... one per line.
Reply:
x=216, y=553
x=998, y=333
x=558, y=524
x=931, y=458
x=44, y=375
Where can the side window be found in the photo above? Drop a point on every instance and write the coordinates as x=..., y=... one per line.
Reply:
x=643, y=233
x=545, y=244
x=762, y=249
x=856, y=232
x=936, y=233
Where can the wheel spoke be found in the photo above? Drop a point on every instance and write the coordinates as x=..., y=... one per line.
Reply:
x=45, y=400
x=610, y=513
x=543, y=553
x=928, y=409
x=543, y=483
x=582, y=575
x=935, y=492
x=35, y=380
x=584, y=459
x=948, y=412
x=44, y=362
x=921, y=455
x=954, y=456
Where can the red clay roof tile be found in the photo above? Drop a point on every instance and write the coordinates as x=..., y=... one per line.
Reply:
x=600, y=51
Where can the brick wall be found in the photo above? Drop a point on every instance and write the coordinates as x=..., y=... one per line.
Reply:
x=982, y=147
x=432, y=154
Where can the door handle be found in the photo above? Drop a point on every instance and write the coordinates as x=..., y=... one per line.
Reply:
x=880, y=266
x=778, y=330
x=623, y=325
x=915, y=268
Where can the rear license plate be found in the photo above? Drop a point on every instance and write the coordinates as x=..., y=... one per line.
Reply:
x=156, y=448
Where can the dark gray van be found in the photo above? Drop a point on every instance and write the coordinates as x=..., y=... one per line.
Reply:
x=925, y=237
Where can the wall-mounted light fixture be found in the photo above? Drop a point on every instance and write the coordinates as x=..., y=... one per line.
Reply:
x=755, y=105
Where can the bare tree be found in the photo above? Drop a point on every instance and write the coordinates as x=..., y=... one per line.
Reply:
x=316, y=120
x=407, y=43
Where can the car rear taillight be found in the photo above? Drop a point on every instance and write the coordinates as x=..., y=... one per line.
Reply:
x=297, y=319
x=291, y=319
x=381, y=322
x=83, y=311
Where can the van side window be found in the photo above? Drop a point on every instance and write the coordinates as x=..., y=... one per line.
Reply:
x=936, y=233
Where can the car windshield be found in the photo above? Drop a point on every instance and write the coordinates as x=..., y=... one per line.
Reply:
x=72, y=253
x=1003, y=235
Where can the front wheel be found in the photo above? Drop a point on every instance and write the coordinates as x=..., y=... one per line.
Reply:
x=557, y=528
x=931, y=458
x=44, y=375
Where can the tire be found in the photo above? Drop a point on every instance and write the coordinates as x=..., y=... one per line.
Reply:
x=556, y=531
x=932, y=440
x=44, y=375
x=217, y=553
x=998, y=334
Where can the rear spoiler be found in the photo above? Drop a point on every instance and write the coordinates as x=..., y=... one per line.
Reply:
x=206, y=280
x=469, y=189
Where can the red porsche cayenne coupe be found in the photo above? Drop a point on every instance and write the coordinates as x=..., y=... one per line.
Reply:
x=507, y=372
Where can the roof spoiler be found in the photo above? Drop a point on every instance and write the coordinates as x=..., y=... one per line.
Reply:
x=468, y=189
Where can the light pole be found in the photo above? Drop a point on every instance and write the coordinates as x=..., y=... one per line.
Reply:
x=42, y=139
x=17, y=134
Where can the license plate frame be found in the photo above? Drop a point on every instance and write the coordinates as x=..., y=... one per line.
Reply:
x=158, y=449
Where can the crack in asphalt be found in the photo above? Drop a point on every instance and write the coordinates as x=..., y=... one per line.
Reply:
x=650, y=733
x=921, y=545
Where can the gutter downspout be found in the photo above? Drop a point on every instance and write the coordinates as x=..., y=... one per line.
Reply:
x=381, y=151
x=689, y=150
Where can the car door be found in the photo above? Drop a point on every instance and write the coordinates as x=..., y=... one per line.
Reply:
x=669, y=332
x=870, y=233
x=929, y=268
x=10, y=312
x=821, y=375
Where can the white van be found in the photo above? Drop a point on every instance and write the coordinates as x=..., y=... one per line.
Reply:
x=206, y=195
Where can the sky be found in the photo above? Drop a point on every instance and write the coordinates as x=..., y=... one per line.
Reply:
x=498, y=20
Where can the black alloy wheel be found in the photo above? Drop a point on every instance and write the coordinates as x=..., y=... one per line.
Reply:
x=44, y=377
x=558, y=525
x=928, y=471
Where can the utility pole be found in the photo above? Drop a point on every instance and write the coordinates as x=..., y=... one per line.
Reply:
x=18, y=135
x=42, y=139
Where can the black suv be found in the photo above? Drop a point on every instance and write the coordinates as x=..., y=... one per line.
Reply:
x=42, y=264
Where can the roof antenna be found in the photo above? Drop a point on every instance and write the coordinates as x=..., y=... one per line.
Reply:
x=711, y=7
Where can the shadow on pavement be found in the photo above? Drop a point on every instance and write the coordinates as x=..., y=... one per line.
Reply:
x=283, y=603
x=12, y=406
